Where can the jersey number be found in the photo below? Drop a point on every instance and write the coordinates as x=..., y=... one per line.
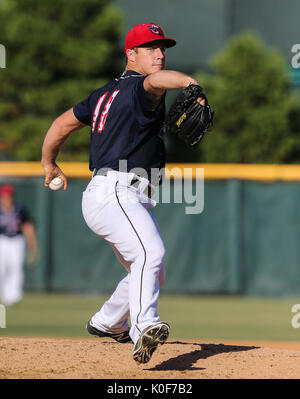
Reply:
x=105, y=111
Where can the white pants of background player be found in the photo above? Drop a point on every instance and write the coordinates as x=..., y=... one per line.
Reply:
x=121, y=215
x=12, y=257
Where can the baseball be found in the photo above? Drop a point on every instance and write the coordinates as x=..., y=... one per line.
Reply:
x=56, y=184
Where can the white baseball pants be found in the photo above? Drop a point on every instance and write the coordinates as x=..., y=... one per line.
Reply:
x=121, y=215
x=12, y=257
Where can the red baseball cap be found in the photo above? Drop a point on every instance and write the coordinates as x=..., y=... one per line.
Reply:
x=146, y=33
x=7, y=189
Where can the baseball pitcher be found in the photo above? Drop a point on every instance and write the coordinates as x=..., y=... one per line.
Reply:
x=127, y=124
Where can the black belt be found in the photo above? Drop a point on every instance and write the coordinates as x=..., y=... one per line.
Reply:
x=134, y=182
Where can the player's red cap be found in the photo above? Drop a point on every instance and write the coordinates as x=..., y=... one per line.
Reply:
x=7, y=189
x=146, y=33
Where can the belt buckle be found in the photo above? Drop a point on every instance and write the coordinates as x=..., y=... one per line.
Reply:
x=143, y=186
x=134, y=181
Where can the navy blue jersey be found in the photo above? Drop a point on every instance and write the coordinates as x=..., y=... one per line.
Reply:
x=11, y=222
x=123, y=127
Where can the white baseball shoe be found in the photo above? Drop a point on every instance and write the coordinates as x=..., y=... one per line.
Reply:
x=150, y=338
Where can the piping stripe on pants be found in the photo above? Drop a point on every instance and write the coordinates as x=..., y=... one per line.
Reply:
x=141, y=281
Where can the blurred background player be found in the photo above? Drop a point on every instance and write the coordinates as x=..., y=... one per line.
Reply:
x=16, y=230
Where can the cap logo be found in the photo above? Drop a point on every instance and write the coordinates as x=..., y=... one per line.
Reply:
x=154, y=29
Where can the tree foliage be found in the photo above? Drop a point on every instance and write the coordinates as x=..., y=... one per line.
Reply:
x=256, y=112
x=57, y=53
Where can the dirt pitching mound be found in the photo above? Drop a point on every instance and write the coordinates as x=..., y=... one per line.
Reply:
x=101, y=358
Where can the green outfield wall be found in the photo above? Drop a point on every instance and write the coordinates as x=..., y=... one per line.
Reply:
x=245, y=241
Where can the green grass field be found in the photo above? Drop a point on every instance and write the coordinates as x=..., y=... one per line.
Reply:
x=199, y=317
